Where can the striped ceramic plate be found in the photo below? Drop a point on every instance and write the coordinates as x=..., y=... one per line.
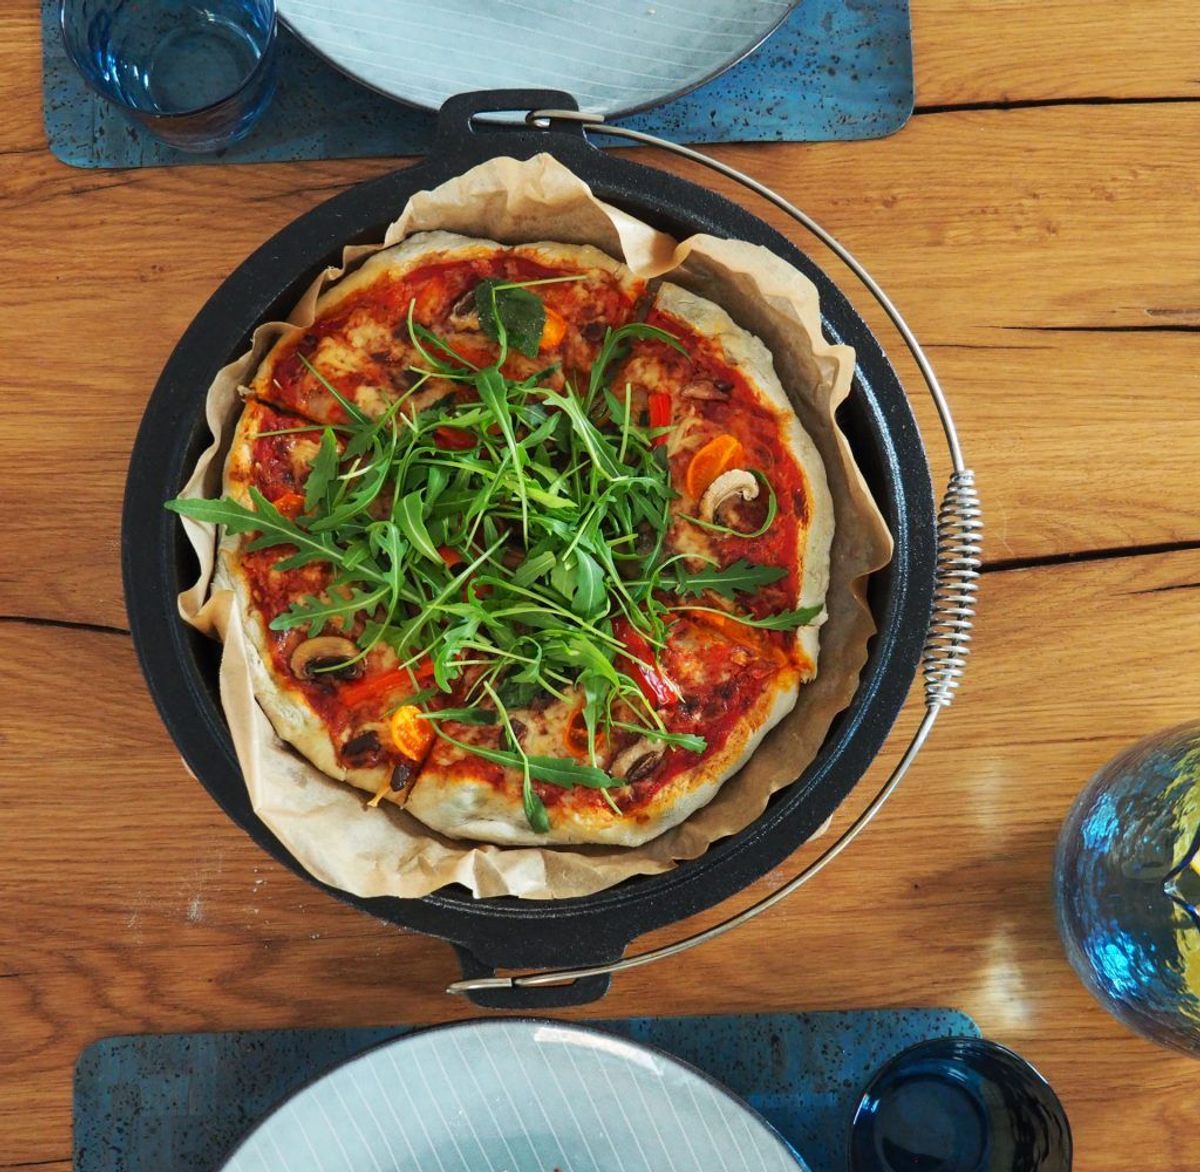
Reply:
x=615, y=56
x=513, y=1096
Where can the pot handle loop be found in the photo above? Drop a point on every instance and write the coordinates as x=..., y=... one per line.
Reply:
x=947, y=642
x=485, y=989
x=458, y=128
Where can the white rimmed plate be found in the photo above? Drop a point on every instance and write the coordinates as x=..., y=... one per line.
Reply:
x=615, y=56
x=513, y=1095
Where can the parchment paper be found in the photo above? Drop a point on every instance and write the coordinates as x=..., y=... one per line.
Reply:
x=385, y=851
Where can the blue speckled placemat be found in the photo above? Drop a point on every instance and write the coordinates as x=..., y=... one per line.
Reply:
x=179, y=1102
x=833, y=69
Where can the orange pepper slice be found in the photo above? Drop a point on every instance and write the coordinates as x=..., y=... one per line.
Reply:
x=727, y=625
x=410, y=731
x=554, y=329
x=735, y=632
x=575, y=736
x=290, y=504
x=717, y=456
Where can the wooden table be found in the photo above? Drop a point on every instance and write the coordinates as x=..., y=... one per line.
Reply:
x=1039, y=222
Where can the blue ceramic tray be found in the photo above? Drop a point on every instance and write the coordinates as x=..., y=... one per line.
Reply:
x=835, y=69
x=180, y=1102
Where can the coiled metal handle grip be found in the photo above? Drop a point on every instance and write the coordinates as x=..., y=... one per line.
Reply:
x=959, y=529
x=947, y=645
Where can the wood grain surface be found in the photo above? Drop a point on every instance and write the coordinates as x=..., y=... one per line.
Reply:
x=1039, y=222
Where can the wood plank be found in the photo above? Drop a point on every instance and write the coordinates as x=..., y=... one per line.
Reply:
x=983, y=247
x=133, y=905
x=1012, y=50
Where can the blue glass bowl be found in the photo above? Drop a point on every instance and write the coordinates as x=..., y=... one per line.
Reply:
x=959, y=1105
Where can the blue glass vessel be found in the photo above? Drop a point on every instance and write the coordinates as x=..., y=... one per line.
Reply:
x=1127, y=883
x=195, y=73
x=959, y=1105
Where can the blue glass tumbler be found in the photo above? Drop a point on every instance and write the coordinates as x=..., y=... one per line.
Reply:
x=195, y=73
x=1127, y=885
x=959, y=1105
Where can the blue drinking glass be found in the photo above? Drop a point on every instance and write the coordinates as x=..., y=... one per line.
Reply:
x=1127, y=887
x=195, y=73
x=959, y=1105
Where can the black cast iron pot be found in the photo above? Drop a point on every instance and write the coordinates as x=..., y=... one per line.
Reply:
x=181, y=666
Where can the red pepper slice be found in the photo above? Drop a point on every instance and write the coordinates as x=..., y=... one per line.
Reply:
x=372, y=687
x=660, y=414
x=655, y=685
x=453, y=438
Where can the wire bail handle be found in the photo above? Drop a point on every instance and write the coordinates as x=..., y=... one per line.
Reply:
x=956, y=579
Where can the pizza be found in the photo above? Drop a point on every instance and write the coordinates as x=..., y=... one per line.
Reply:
x=529, y=548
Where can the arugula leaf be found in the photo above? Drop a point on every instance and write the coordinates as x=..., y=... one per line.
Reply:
x=515, y=693
x=493, y=393
x=509, y=311
x=421, y=336
x=534, y=566
x=265, y=519
x=594, y=441
x=741, y=575
x=768, y=520
x=324, y=469
x=314, y=612
x=535, y=810
x=350, y=408
x=409, y=514
x=613, y=347
x=421, y=696
x=784, y=620
x=435, y=484
x=689, y=741
x=590, y=597
x=235, y=517
x=462, y=715
x=561, y=771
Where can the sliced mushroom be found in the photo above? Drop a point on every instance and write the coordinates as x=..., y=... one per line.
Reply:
x=737, y=482
x=707, y=388
x=464, y=313
x=317, y=658
x=635, y=762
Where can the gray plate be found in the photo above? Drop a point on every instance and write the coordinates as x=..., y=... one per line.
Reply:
x=513, y=1096
x=615, y=56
